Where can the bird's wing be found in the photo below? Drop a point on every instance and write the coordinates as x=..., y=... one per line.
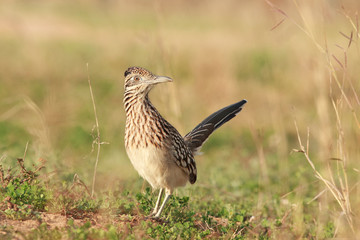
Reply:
x=181, y=154
x=196, y=138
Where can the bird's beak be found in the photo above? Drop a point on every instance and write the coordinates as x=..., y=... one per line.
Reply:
x=162, y=79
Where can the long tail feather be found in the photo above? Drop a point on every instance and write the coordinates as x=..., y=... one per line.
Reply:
x=196, y=138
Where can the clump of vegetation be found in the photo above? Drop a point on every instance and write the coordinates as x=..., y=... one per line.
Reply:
x=251, y=184
x=22, y=194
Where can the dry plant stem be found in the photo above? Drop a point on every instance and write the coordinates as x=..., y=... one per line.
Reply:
x=341, y=192
x=77, y=181
x=341, y=167
x=25, y=151
x=340, y=196
x=97, y=140
x=324, y=50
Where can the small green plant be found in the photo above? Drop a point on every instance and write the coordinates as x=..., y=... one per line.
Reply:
x=73, y=199
x=145, y=201
x=122, y=202
x=42, y=232
x=22, y=194
x=85, y=231
x=87, y=205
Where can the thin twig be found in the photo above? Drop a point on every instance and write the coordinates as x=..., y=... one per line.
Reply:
x=25, y=151
x=97, y=140
x=304, y=26
x=278, y=24
x=339, y=195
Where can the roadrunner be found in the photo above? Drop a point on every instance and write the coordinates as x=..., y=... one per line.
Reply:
x=156, y=149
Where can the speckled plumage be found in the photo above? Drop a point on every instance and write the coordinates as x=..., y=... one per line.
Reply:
x=156, y=149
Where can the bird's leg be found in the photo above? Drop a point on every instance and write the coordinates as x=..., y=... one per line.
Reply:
x=157, y=202
x=167, y=196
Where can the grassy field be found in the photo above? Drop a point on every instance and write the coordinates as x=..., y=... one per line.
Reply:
x=287, y=167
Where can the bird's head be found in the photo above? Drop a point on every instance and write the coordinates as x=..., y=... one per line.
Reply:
x=141, y=80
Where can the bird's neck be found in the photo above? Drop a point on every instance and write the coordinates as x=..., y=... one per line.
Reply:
x=137, y=104
x=142, y=122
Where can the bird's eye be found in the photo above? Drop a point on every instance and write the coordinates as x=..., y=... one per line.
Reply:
x=137, y=78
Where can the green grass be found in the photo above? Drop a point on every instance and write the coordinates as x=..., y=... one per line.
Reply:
x=254, y=180
x=227, y=207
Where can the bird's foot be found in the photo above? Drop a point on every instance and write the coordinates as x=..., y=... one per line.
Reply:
x=153, y=213
x=153, y=216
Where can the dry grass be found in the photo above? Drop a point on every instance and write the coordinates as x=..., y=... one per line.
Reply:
x=292, y=60
x=337, y=183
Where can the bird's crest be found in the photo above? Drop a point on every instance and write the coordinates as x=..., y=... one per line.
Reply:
x=138, y=70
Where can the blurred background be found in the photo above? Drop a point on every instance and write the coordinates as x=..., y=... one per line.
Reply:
x=294, y=60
